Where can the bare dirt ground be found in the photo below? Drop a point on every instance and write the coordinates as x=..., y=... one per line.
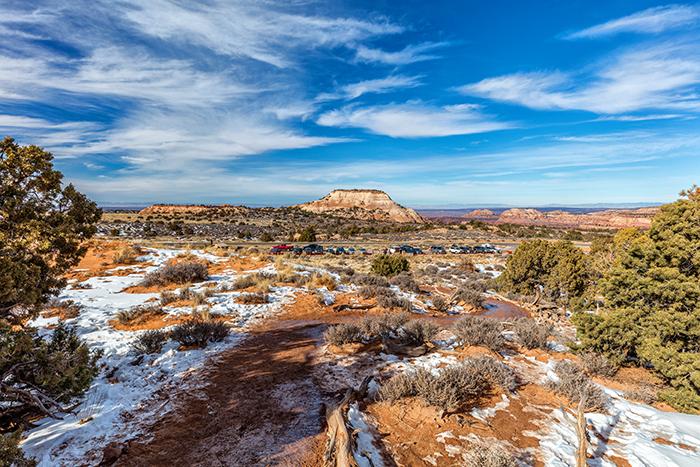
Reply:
x=260, y=406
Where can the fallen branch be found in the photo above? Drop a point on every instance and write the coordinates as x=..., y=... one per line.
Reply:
x=339, y=447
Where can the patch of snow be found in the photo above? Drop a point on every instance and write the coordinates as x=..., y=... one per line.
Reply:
x=485, y=413
x=366, y=453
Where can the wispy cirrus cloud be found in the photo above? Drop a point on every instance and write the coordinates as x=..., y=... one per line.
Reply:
x=414, y=120
x=650, y=21
x=371, y=86
x=655, y=76
x=409, y=54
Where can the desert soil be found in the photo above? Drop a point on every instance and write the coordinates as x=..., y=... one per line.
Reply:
x=260, y=406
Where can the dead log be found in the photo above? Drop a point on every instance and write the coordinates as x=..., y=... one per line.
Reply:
x=354, y=306
x=581, y=434
x=339, y=447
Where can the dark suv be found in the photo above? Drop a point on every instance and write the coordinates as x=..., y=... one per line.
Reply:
x=313, y=249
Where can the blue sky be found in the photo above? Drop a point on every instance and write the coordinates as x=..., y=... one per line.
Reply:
x=441, y=104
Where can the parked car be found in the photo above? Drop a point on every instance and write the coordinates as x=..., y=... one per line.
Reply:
x=364, y=251
x=350, y=251
x=455, y=249
x=313, y=249
x=297, y=250
x=437, y=250
x=279, y=249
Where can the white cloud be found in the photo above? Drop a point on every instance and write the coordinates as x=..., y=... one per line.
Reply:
x=413, y=120
x=650, y=21
x=262, y=31
x=659, y=76
x=409, y=54
x=371, y=86
x=640, y=118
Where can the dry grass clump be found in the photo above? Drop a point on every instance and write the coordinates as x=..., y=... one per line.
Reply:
x=256, y=298
x=594, y=363
x=577, y=387
x=476, y=330
x=126, y=255
x=65, y=309
x=417, y=332
x=489, y=455
x=139, y=315
x=455, y=386
x=323, y=280
x=260, y=281
x=405, y=282
x=345, y=333
x=531, y=334
x=199, y=333
x=150, y=342
x=176, y=273
x=167, y=297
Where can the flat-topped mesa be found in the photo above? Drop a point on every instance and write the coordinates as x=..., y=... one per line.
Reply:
x=362, y=204
x=608, y=219
x=180, y=209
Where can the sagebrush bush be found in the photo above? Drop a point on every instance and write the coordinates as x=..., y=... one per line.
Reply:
x=470, y=296
x=150, y=341
x=417, y=332
x=645, y=394
x=386, y=298
x=531, y=334
x=476, y=330
x=67, y=308
x=139, y=314
x=389, y=265
x=256, y=298
x=344, y=333
x=598, y=364
x=383, y=326
x=167, y=297
x=198, y=332
x=177, y=273
x=489, y=455
x=576, y=386
x=369, y=280
x=244, y=282
x=454, y=387
x=405, y=282
x=440, y=303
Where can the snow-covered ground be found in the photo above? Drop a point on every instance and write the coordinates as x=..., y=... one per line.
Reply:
x=127, y=392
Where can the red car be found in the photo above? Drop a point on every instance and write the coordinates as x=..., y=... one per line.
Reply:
x=279, y=249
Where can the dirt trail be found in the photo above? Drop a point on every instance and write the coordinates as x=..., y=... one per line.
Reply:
x=260, y=406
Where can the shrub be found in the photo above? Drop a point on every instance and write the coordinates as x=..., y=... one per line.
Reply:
x=597, y=364
x=576, y=386
x=386, y=298
x=167, y=297
x=531, y=334
x=454, y=387
x=324, y=280
x=67, y=309
x=417, y=332
x=257, y=298
x=471, y=297
x=150, y=341
x=398, y=387
x=489, y=455
x=389, y=265
x=11, y=454
x=126, y=255
x=369, y=280
x=476, y=330
x=139, y=314
x=405, y=281
x=177, y=273
x=645, y=394
x=345, y=333
x=383, y=326
x=440, y=303
x=198, y=332
x=36, y=369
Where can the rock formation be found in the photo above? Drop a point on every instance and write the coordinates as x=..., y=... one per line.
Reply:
x=362, y=204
